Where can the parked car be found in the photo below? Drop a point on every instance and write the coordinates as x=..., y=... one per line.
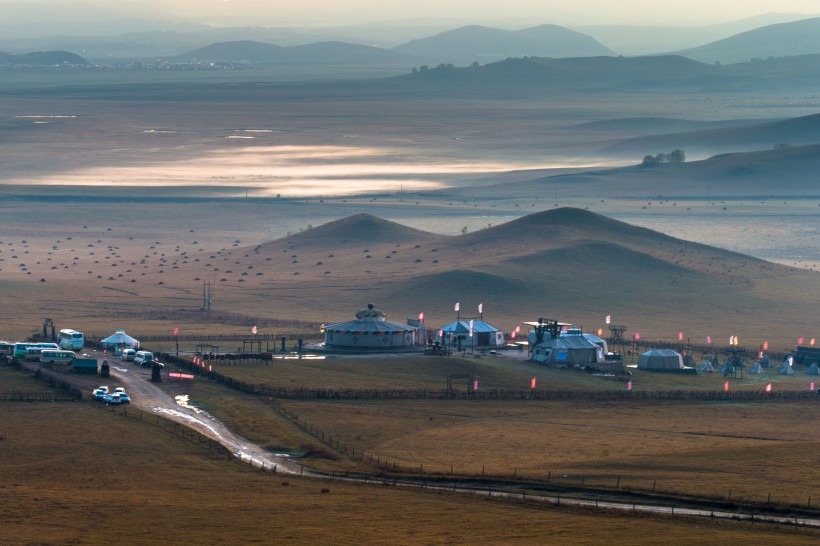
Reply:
x=144, y=358
x=128, y=355
x=99, y=394
x=119, y=389
x=112, y=399
x=124, y=398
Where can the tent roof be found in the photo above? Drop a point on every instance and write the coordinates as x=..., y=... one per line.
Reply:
x=119, y=338
x=660, y=359
x=568, y=342
x=463, y=327
x=368, y=327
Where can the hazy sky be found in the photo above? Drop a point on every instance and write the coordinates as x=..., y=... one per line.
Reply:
x=578, y=12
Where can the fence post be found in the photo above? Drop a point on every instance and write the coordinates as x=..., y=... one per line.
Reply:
x=618, y=484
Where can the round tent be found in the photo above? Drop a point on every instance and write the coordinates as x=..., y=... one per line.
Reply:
x=370, y=330
x=660, y=360
x=118, y=341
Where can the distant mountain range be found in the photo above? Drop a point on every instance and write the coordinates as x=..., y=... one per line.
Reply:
x=262, y=53
x=779, y=40
x=484, y=44
x=42, y=58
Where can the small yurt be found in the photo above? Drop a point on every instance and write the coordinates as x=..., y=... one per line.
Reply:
x=661, y=360
x=814, y=369
x=118, y=341
x=370, y=330
x=464, y=334
x=706, y=367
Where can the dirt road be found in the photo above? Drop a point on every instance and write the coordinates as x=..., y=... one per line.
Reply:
x=151, y=398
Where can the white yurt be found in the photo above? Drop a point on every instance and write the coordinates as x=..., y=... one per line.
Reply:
x=370, y=330
x=118, y=341
x=757, y=368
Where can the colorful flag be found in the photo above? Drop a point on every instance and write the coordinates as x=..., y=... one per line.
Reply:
x=726, y=387
x=421, y=316
x=480, y=308
x=512, y=334
x=731, y=340
x=765, y=345
x=517, y=328
x=176, y=331
x=800, y=340
x=812, y=342
x=769, y=387
x=253, y=330
x=629, y=386
x=441, y=333
x=210, y=368
x=608, y=319
x=680, y=336
x=458, y=306
x=637, y=335
x=471, y=327
x=709, y=340
x=475, y=385
x=811, y=386
x=532, y=383
x=600, y=332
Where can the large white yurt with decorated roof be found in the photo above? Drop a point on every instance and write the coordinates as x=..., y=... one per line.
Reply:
x=370, y=330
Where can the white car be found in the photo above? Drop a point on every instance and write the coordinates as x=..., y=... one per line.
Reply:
x=128, y=355
x=144, y=358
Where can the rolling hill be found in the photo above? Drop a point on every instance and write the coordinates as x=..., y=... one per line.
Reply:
x=570, y=262
x=42, y=58
x=485, y=44
x=264, y=53
x=804, y=130
x=778, y=40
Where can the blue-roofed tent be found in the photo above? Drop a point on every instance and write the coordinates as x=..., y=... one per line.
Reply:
x=119, y=340
x=484, y=334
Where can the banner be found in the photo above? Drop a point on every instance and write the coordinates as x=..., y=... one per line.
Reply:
x=458, y=306
x=608, y=319
x=253, y=330
x=480, y=308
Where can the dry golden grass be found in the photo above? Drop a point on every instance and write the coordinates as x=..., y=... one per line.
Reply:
x=94, y=475
x=692, y=448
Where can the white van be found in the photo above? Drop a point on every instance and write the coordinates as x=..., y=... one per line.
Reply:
x=144, y=358
x=128, y=355
x=58, y=356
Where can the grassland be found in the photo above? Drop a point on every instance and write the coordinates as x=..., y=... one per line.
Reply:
x=93, y=475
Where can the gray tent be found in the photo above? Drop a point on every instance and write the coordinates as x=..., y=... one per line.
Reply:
x=785, y=369
x=662, y=360
x=757, y=368
x=706, y=367
x=814, y=369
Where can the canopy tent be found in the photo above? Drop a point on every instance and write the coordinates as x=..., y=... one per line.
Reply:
x=661, y=360
x=814, y=369
x=118, y=341
x=484, y=334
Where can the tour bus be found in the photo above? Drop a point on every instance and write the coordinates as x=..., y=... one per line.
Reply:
x=6, y=348
x=58, y=356
x=34, y=349
x=21, y=347
x=71, y=340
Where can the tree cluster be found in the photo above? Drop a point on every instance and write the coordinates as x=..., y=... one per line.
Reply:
x=675, y=156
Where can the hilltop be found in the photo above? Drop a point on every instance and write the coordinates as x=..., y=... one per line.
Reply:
x=42, y=58
x=475, y=43
x=777, y=40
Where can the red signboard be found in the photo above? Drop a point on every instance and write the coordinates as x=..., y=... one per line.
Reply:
x=181, y=375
